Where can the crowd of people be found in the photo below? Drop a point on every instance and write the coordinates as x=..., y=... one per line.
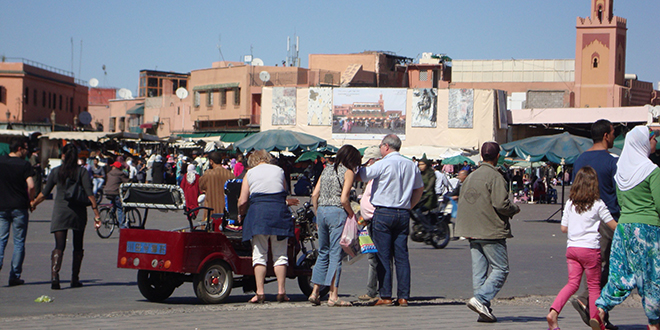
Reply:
x=612, y=217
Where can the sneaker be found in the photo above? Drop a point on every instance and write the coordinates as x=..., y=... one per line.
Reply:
x=367, y=298
x=15, y=281
x=480, y=308
x=485, y=320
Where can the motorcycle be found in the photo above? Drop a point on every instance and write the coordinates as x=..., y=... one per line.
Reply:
x=306, y=236
x=439, y=219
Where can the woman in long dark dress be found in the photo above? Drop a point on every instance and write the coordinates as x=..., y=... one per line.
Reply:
x=67, y=215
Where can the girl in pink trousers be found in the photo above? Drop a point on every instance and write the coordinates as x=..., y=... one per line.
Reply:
x=582, y=215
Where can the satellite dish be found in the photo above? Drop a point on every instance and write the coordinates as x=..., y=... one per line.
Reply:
x=124, y=94
x=181, y=93
x=264, y=76
x=93, y=82
x=257, y=62
x=85, y=118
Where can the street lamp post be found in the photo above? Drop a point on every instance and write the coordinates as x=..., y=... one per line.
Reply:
x=52, y=121
x=8, y=114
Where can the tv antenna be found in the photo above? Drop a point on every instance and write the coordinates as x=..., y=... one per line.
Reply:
x=292, y=58
x=105, y=76
x=220, y=47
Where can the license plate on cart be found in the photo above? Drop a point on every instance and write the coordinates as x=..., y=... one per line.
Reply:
x=148, y=248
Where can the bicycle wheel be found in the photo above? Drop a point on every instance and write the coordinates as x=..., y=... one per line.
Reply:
x=107, y=222
x=134, y=218
x=99, y=196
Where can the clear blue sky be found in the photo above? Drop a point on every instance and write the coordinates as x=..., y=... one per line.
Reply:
x=127, y=36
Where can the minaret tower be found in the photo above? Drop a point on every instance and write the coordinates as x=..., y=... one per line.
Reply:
x=600, y=57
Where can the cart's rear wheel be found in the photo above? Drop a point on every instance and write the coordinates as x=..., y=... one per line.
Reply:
x=305, y=281
x=107, y=223
x=214, y=283
x=155, y=286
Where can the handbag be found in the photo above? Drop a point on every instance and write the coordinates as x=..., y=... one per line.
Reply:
x=75, y=193
x=349, y=238
x=366, y=243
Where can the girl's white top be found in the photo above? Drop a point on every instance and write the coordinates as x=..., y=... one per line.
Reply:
x=583, y=228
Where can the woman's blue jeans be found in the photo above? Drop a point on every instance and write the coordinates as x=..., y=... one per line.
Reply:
x=331, y=220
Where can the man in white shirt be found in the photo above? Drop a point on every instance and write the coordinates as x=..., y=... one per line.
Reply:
x=397, y=186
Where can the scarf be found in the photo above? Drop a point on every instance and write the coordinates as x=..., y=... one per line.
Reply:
x=191, y=173
x=634, y=164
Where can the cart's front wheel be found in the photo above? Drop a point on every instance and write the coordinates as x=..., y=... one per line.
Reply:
x=214, y=283
x=155, y=286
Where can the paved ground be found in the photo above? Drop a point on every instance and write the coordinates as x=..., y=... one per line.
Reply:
x=441, y=284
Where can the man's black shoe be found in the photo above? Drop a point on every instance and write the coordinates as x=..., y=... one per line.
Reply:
x=15, y=281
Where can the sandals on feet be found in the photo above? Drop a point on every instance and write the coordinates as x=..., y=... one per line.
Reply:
x=257, y=299
x=314, y=299
x=338, y=303
x=281, y=297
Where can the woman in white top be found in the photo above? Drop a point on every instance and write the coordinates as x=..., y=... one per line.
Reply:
x=268, y=219
x=582, y=215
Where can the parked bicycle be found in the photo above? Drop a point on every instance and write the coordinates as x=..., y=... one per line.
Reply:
x=109, y=219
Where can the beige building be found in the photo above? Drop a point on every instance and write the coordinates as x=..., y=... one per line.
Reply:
x=366, y=69
x=228, y=95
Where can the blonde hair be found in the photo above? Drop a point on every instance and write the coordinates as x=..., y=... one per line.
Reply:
x=258, y=157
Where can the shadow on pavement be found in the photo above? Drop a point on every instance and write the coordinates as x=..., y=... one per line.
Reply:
x=521, y=319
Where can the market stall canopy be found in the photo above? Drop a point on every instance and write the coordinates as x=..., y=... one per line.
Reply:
x=309, y=155
x=279, y=140
x=76, y=136
x=432, y=152
x=457, y=160
x=228, y=137
x=133, y=136
x=551, y=147
x=328, y=150
x=14, y=132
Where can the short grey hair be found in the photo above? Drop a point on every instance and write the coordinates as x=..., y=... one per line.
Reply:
x=392, y=141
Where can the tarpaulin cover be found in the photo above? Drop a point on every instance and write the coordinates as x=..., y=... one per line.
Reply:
x=279, y=140
x=548, y=147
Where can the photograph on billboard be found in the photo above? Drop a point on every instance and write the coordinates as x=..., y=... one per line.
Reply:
x=319, y=106
x=284, y=106
x=461, y=108
x=424, y=107
x=368, y=113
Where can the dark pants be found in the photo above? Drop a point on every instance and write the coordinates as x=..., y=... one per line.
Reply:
x=390, y=229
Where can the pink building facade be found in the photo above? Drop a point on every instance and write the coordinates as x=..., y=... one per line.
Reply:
x=32, y=94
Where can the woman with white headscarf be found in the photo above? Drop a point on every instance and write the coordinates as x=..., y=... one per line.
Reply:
x=190, y=186
x=635, y=257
